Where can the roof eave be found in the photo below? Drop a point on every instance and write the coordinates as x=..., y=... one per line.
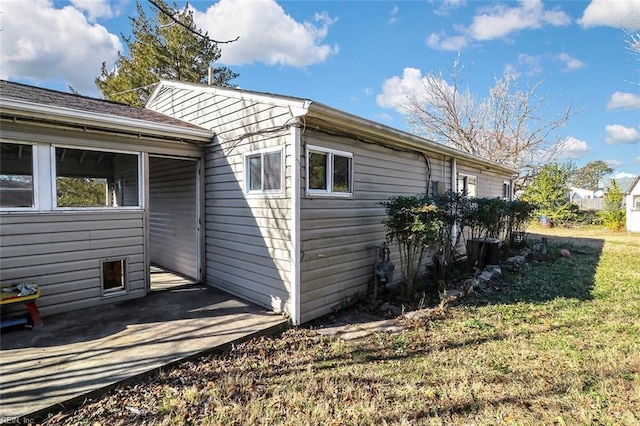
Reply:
x=396, y=137
x=110, y=122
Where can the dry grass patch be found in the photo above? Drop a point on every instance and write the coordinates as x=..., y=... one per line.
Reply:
x=557, y=343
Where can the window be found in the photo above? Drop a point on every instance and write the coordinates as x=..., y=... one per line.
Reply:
x=506, y=190
x=16, y=176
x=86, y=178
x=114, y=276
x=467, y=185
x=264, y=172
x=636, y=202
x=329, y=172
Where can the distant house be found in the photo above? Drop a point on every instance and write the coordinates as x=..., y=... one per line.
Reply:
x=272, y=198
x=632, y=204
x=585, y=199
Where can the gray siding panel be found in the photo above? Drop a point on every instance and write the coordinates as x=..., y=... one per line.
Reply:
x=173, y=214
x=62, y=252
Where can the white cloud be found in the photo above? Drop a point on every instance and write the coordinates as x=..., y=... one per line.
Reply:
x=532, y=63
x=572, y=148
x=397, y=90
x=41, y=42
x=443, y=42
x=618, y=134
x=617, y=14
x=624, y=175
x=267, y=34
x=383, y=116
x=445, y=7
x=95, y=9
x=498, y=21
x=624, y=100
x=614, y=163
x=393, y=15
x=636, y=160
x=570, y=63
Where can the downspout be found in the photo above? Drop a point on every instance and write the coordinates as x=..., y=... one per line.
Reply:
x=454, y=188
x=295, y=142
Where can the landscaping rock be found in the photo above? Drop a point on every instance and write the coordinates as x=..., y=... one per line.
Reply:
x=389, y=308
x=515, y=263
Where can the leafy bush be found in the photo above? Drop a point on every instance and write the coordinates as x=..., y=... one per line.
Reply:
x=414, y=224
x=614, y=215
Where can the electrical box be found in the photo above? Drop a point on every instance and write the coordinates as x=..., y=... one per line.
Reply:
x=437, y=188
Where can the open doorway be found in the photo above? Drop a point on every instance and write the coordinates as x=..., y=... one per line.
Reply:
x=174, y=232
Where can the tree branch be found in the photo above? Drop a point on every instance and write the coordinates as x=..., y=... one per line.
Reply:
x=171, y=15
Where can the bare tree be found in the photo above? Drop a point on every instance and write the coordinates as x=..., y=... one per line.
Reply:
x=507, y=127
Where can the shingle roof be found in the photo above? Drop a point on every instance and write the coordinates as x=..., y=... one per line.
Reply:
x=38, y=95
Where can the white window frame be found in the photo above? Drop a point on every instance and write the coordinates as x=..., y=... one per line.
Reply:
x=506, y=184
x=329, y=172
x=465, y=189
x=34, y=179
x=54, y=175
x=117, y=291
x=247, y=170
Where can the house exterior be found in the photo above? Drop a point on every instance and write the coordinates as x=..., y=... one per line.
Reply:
x=293, y=191
x=271, y=198
x=135, y=162
x=632, y=204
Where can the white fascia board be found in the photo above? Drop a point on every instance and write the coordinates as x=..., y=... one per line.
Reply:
x=298, y=106
x=110, y=122
x=359, y=125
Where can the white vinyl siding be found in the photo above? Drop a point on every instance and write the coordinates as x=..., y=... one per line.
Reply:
x=247, y=238
x=63, y=251
x=338, y=234
x=488, y=183
x=173, y=215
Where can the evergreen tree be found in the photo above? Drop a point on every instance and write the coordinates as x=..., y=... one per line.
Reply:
x=160, y=48
x=549, y=192
x=588, y=176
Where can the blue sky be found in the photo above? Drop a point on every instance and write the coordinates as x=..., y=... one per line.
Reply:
x=366, y=57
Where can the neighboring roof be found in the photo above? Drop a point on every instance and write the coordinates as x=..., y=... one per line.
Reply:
x=624, y=184
x=319, y=115
x=634, y=183
x=28, y=101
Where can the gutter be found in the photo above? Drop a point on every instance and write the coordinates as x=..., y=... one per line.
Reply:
x=361, y=126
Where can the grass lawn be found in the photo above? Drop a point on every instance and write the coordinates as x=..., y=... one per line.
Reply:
x=556, y=343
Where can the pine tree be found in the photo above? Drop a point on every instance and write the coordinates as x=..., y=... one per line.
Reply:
x=160, y=48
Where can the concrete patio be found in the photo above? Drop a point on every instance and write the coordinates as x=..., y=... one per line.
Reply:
x=86, y=353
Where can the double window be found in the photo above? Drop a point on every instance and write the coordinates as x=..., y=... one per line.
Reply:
x=264, y=172
x=68, y=178
x=329, y=172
